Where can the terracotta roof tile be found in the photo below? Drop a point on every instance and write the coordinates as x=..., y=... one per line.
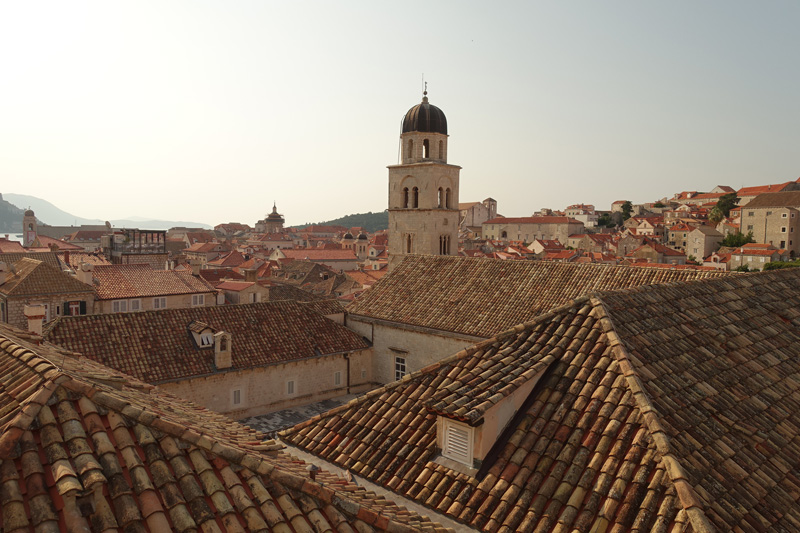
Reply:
x=90, y=455
x=661, y=404
x=33, y=277
x=450, y=293
x=141, y=281
x=156, y=346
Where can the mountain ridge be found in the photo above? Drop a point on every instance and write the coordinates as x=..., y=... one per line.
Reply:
x=50, y=214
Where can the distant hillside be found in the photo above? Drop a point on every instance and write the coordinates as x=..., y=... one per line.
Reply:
x=48, y=213
x=10, y=217
x=371, y=222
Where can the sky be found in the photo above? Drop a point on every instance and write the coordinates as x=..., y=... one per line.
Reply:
x=211, y=111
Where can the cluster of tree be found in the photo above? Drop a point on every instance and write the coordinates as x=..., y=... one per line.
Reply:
x=613, y=220
x=371, y=222
x=735, y=240
x=776, y=265
x=723, y=208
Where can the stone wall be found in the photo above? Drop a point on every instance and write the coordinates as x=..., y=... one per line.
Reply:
x=265, y=389
x=419, y=347
x=175, y=301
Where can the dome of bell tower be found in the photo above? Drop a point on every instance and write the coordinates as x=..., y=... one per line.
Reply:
x=425, y=117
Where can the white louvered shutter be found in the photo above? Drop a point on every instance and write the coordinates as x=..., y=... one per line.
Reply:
x=456, y=443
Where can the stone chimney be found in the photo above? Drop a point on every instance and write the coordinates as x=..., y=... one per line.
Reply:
x=85, y=273
x=251, y=275
x=35, y=316
x=195, y=267
x=222, y=350
x=3, y=272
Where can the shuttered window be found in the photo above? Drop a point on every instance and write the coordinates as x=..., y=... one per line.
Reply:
x=457, y=443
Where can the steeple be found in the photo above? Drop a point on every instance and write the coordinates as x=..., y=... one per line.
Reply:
x=423, y=189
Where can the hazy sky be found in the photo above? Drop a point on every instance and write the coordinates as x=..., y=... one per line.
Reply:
x=210, y=111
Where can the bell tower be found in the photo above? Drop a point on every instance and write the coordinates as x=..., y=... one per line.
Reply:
x=423, y=188
x=29, y=228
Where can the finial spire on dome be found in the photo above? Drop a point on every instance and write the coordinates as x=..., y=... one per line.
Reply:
x=425, y=94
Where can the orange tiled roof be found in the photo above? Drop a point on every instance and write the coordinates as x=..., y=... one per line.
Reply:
x=231, y=259
x=775, y=199
x=320, y=255
x=141, y=281
x=29, y=277
x=450, y=293
x=43, y=241
x=7, y=246
x=77, y=258
x=761, y=189
x=534, y=220
x=235, y=286
x=154, y=346
x=668, y=404
x=85, y=448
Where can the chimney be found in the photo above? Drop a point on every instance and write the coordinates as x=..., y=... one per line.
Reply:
x=222, y=350
x=195, y=267
x=85, y=273
x=35, y=316
x=251, y=275
x=3, y=272
x=66, y=258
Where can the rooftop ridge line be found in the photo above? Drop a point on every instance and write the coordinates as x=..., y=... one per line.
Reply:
x=691, y=501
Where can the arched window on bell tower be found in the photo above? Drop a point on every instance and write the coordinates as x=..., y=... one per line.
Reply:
x=415, y=199
x=426, y=149
x=441, y=198
x=408, y=243
x=441, y=150
x=410, y=152
x=405, y=197
x=447, y=198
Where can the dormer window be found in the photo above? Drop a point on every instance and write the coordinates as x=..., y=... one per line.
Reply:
x=457, y=441
x=206, y=339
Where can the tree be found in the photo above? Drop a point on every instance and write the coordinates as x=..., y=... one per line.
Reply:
x=659, y=204
x=606, y=220
x=627, y=209
x=776, y=265
x=727, y=202
x=734, y=240
x=744, y=268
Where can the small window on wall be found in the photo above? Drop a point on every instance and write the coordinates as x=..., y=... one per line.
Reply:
x=337, y=378
x=160, y=302
x=290, y=388
x=136, y=305
x=236, y=397
x=198, y=299
x=119, y=306
x=399, y=367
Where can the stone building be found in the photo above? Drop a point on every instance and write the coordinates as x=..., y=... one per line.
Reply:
x=662, y=408
x=429, y=307
x=33, y=282
x=272, y=223
x=29, y=228
x=423, y=189
x=88, y=448
x=243, y=360
x=131, y=288
x=474, y=214
x=702, y=241
x=774, y=218
x=529, y=229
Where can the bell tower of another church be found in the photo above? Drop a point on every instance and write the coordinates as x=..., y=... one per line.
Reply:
x=29, y=228
x=423, y=189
